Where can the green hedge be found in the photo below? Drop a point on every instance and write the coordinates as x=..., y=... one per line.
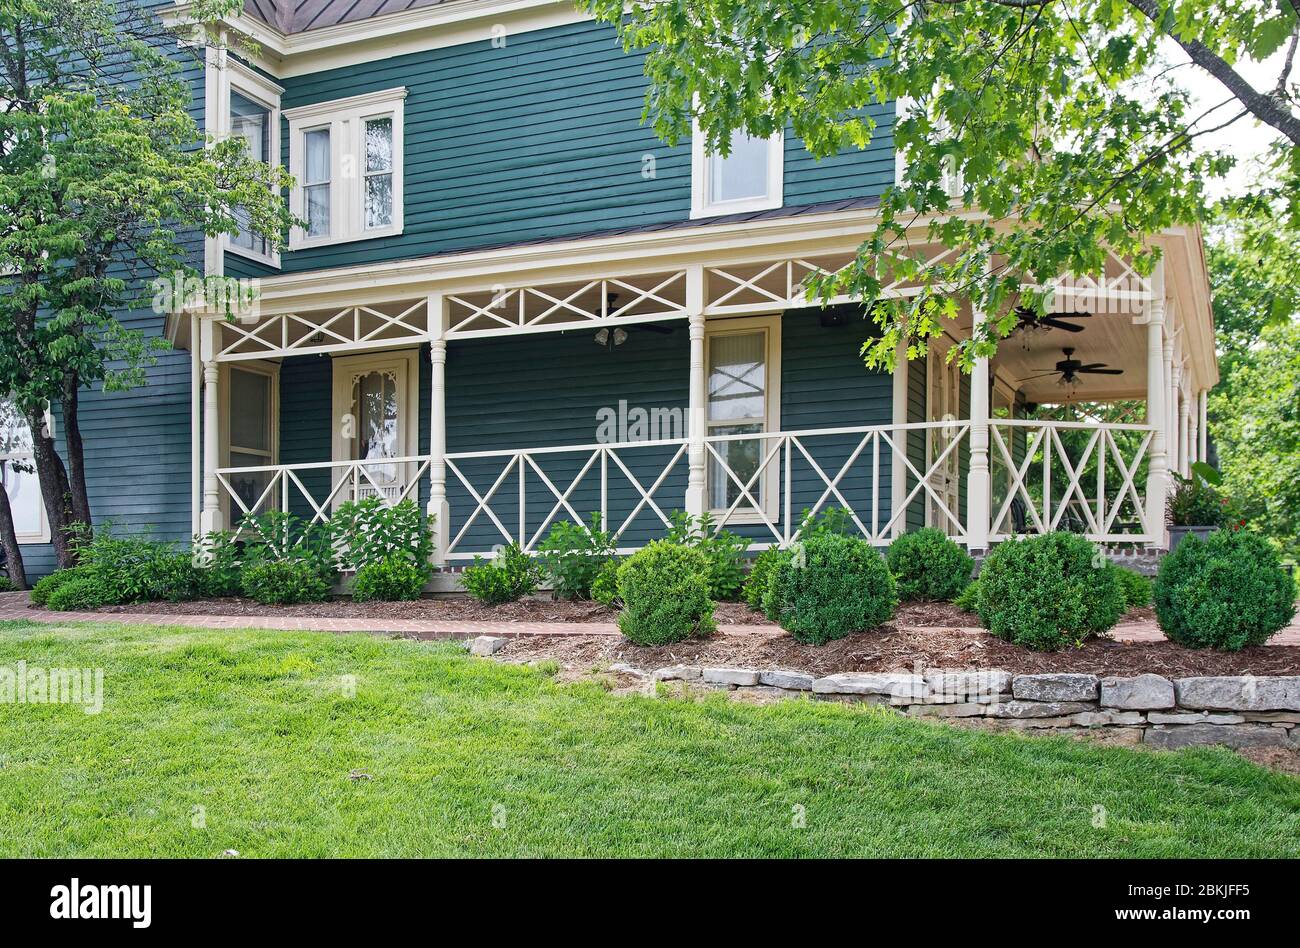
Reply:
x=927, y=565
x=828, y=586
x=665, y=593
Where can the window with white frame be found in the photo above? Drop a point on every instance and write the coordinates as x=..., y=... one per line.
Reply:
x=347, y=158
x=750, y=177
x=253, y=114
x=743, y=373
x=250, y=440
x=18, y=474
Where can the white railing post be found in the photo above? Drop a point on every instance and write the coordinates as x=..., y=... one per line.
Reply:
x=438, y=509
x=210, y=520
x=898, y=463
x=978, y=486
x=1184, y=434
x=697, y=422
x=1157, y=416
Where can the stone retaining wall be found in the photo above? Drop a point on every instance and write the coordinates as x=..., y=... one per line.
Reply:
x=1239, y=711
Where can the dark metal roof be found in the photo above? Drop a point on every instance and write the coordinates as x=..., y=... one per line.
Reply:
x=298, y=16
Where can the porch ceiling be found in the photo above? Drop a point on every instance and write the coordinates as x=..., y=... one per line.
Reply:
x=1109, y=338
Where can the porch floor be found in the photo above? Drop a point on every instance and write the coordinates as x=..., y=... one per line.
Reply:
x=14, y=606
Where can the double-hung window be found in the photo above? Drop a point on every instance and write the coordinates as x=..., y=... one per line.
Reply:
x=742, y=356
x=253, y=114
x=347, y=158
x=748, y=178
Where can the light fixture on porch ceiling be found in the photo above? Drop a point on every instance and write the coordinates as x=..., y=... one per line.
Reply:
x=611, y=337
x=1029, y=323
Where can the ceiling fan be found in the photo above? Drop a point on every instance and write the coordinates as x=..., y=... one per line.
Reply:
x=1071, y=368
x=1029, y=320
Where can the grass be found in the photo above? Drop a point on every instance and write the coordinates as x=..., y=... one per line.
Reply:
x=253, y=741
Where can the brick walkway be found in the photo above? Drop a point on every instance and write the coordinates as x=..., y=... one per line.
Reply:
x=14, y=606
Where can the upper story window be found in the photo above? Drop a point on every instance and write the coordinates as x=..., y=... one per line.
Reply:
x=347, y=158
x=253, y=114
x=749, y=178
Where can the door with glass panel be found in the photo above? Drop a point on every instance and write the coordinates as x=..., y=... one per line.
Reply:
x=943, y=403
x=375, y=423
x=739, y=400
x=250, y=435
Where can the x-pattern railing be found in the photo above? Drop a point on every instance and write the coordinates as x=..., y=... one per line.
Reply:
x=521, y=464
x=1033, y=480
x=347, y=480
x=353, y=327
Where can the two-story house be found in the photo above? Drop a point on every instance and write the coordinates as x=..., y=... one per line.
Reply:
x=511, y=302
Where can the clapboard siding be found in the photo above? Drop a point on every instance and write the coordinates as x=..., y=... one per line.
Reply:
x=137, y=443
x=540, y=139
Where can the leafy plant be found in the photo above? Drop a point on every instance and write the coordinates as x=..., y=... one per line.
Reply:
x=78, y=592
x=371, y=531
x=828, y=586
x=395, y=579
x=759, y=574
x=926, y=564
x=968, y=599
x=1228, y=592
x=46, y=585
x=723, y=550
x=278, y=536
x=1136, y=587
x=218, y=557
x=604, y=589
x=284, y=582
x=831, y=520
x=511, y=574
x=574, y=556
x=1048, y=591
x=1195, y=502
x=665, y=593
x=133, y=568
x=7, y=585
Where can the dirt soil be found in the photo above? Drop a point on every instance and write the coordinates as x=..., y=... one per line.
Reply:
x=442, y=609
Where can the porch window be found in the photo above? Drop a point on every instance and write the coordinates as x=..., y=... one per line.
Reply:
x=347, y=156
x=18, y=474
x=740, y=390
x=252, y=437
x=748, y=178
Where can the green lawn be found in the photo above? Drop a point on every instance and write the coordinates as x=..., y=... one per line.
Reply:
x=469, y=757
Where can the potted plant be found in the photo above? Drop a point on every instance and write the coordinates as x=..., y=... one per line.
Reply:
x=1196, y=506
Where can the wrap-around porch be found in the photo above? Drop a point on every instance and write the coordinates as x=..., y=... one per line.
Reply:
x=636, y=390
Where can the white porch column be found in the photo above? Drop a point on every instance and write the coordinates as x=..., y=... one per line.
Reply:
x=196, y=427
x=1171, y=406
x=1184, y=433
x=1203, y=427
x=210, y=520
x=1157, y=417
x=977, y=479
x=898, y=470
x=438, y=510
x=697, y=422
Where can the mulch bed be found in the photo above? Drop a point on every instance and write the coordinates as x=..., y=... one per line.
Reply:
x=446, y=609
x=895, y=648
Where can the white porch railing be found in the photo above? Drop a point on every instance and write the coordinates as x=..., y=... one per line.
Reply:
x=1045, y=475
x=1053, y=475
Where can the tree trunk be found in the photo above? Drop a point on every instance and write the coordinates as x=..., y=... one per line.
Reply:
x=75, y=449
x=55, y=490
x=9, y=541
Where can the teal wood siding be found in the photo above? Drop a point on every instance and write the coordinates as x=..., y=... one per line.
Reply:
x=541, y=139
x=548, y=391
x=137, y=443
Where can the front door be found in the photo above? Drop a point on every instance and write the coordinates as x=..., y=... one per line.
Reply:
x=943, y=403
x=375, y=422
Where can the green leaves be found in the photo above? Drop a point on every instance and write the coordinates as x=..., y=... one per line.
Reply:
x=1059, y=125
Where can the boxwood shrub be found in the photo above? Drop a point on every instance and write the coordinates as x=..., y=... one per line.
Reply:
x=1226, y=592
x=284, y=582
x=1048, y=591
x=926, y=564
x=828, y=586
x=665, y=593
x=392, y=579
x=80, y=590
x=1137, y=588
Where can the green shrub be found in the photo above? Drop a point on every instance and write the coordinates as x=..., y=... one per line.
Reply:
x=284, y=582
x=759, y=574
x=1136, y=587
x=829, y=586
x=1195, y=502
x=79, y=592
x=218, y=557
x=282, y=537
x=831, y=520
x=665, y=593
x=1227, y=592
x=723, y=550
x=926, y=564
x=7, y=585
x=574, y=556
x=511, y=574
x=371, y=530
x=1048, y=591
x=46, y=585
x=604, y=589
x=395, y=579
x=173, y=577
x=968, y=599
